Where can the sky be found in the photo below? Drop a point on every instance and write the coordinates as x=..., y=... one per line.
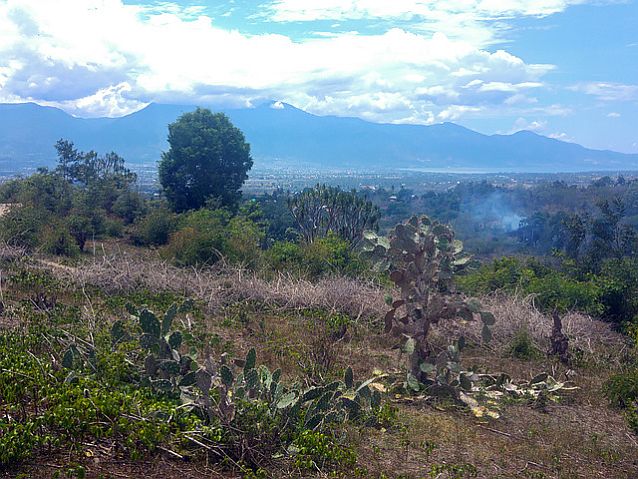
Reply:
x=567, y=69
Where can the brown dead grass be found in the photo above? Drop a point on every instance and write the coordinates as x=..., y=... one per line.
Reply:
x=566, y=442
x=9, y=253
x=221, y=286
x=594, y=339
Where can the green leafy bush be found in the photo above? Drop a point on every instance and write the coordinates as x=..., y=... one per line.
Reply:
x=23, y=226
x=285, y=256
x=553, y=290
x=557, y=292
x=523, y=347
x=244, y=240
x=622, y=389
x=57, y=240
x=318, y=451
x=618, y=281
x=45, y=406
x=205, y=236
x=325, y=256
x=129, y=206
x=155, y=228
x=200, y=239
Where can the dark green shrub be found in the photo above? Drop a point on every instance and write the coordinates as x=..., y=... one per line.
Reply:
x=618, y=281
x=557, y=292
x=285, y=256
x=244, y=238
x=622, y=389
x=523, y=347
x=87, y=219
x=113, y=228
x=129, y=206
x=506, y=274
x=332, y=255
x=553, y=289
x=155, y=228
x=23, y=226
x=325, y=256
x=318, y=451
x=57, y=240
x=201, y=238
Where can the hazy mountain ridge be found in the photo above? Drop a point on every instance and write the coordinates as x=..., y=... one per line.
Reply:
x=29, y=131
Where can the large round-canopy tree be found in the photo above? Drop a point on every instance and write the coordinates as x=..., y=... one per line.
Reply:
x=208, y=159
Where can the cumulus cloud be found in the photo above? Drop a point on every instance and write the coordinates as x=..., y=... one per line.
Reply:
x=613, y=114
x=113, y=101
x=104, y=57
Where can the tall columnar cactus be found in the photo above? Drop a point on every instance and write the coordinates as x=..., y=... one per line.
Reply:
x=325, y=209
x=422, y=255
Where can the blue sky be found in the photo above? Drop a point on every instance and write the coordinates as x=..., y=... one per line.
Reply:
x=567, y=69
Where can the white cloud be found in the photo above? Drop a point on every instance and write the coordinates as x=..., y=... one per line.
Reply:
x=562, y=137
x=613, y=114
x=455, y=112
x=112, y=101
x=522, y=124
x=479, y=21
x=69, y=53
x=608, y=91
x=309, y=10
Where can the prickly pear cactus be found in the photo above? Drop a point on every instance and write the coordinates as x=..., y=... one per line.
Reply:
x=164, y=367
x=422, y=256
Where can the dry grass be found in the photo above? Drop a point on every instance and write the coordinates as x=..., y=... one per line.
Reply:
x=221, y=286
x=568, y=442
x=218, y=287
x=9, y=253
x=595, y=339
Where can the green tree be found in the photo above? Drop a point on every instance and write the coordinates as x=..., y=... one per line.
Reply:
x=208, y=159
x=87, y=169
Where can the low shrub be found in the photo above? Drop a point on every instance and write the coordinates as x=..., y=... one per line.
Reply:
x=553, y=290
x=155, y=228
x=325, y=256
x=523, y=347
x=57, y=240
x=316, y=451
x=622, y=389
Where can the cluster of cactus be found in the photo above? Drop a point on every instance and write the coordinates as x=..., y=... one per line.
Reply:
x=537, y=392
x=221, y=387
x=422, y=256
x=216, y=389
x=443, y=377
x=164, y=367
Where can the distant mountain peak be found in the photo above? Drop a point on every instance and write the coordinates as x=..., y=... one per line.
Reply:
x=282, y=132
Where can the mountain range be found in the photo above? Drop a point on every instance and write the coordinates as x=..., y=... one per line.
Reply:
x=282, y=134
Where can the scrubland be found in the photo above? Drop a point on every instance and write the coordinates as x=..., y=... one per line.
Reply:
x=77, y=398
